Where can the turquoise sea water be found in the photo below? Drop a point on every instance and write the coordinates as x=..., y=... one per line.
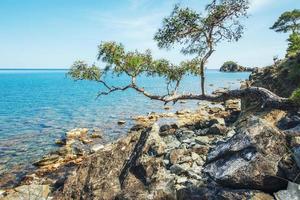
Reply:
x=39, y=106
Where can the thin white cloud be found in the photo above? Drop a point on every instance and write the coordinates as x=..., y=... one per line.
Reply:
x=256, y=5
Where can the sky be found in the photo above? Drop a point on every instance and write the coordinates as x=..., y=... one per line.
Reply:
x=55, y=33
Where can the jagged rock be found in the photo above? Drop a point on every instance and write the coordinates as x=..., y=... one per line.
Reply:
x=289, y=122
x=250, y=158
x=122, y=170
x=29, y=192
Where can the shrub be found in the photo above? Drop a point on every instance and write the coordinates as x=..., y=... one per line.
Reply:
x=296, y=96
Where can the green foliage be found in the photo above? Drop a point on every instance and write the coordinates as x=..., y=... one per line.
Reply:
x=199, y=34
x=131, y=63
x=296, y=96
x=229, y=64
x=293, y=45
x=81, y=71
x=288, y=21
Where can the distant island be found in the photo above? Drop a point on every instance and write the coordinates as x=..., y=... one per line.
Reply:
x=231, y=66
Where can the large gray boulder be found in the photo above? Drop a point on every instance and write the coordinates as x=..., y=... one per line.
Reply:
x=249, y=159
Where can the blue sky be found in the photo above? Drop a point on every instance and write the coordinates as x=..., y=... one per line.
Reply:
x=54, y=33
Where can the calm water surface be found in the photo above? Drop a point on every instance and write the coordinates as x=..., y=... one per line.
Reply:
x=39, y=106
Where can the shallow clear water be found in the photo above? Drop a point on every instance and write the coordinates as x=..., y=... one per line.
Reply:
x=38, y=106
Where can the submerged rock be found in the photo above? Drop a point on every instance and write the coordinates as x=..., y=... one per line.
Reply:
x=76, y=133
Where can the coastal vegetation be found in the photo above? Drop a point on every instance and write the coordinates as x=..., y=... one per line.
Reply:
x=290, y=22
x=199, y=36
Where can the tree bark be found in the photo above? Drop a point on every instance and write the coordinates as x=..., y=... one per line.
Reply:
x=203, y=84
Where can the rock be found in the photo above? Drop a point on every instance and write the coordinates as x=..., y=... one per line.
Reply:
x=167, y=107
x=277, y=78
x=29, y=192
x=201, y=132
x=293, y=132
x=47, y=160
x=137, y=127
x=289, y=122
x=176, y=155
x=295, y=141
x=125, y=169
x=178, y=169
x=167, y=129
x=291, y=193
x=121, y=122
x=181, y=180
x=60, y=142
x=76, y=133
x=97, y=147
x=233, y=105
x=182, y=135
x=182, y=112
x=79, y=149
x=97, y=134
x=250, y=158
x=202, y=140
x=217, y=129
x=182, y=101
x=215, y=193
x=296, y=155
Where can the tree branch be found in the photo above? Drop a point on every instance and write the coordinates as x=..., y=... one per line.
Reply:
x=265, y=98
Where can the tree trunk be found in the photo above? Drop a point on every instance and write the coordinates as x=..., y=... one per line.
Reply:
x=202, y=79
x=203, y=84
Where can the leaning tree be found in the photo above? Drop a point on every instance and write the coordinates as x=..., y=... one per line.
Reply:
x=201, y=36
x=290, y=22
x=199, y=33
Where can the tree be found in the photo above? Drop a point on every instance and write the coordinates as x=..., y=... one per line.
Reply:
x=200, y=34
x=288, y=21
x=293, y=44
x=135, y=63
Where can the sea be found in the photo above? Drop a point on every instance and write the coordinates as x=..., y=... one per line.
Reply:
x=39, y=106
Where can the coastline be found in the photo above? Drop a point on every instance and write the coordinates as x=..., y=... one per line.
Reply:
x=177, y=151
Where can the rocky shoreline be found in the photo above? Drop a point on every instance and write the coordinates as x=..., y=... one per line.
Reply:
x=215, y=152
